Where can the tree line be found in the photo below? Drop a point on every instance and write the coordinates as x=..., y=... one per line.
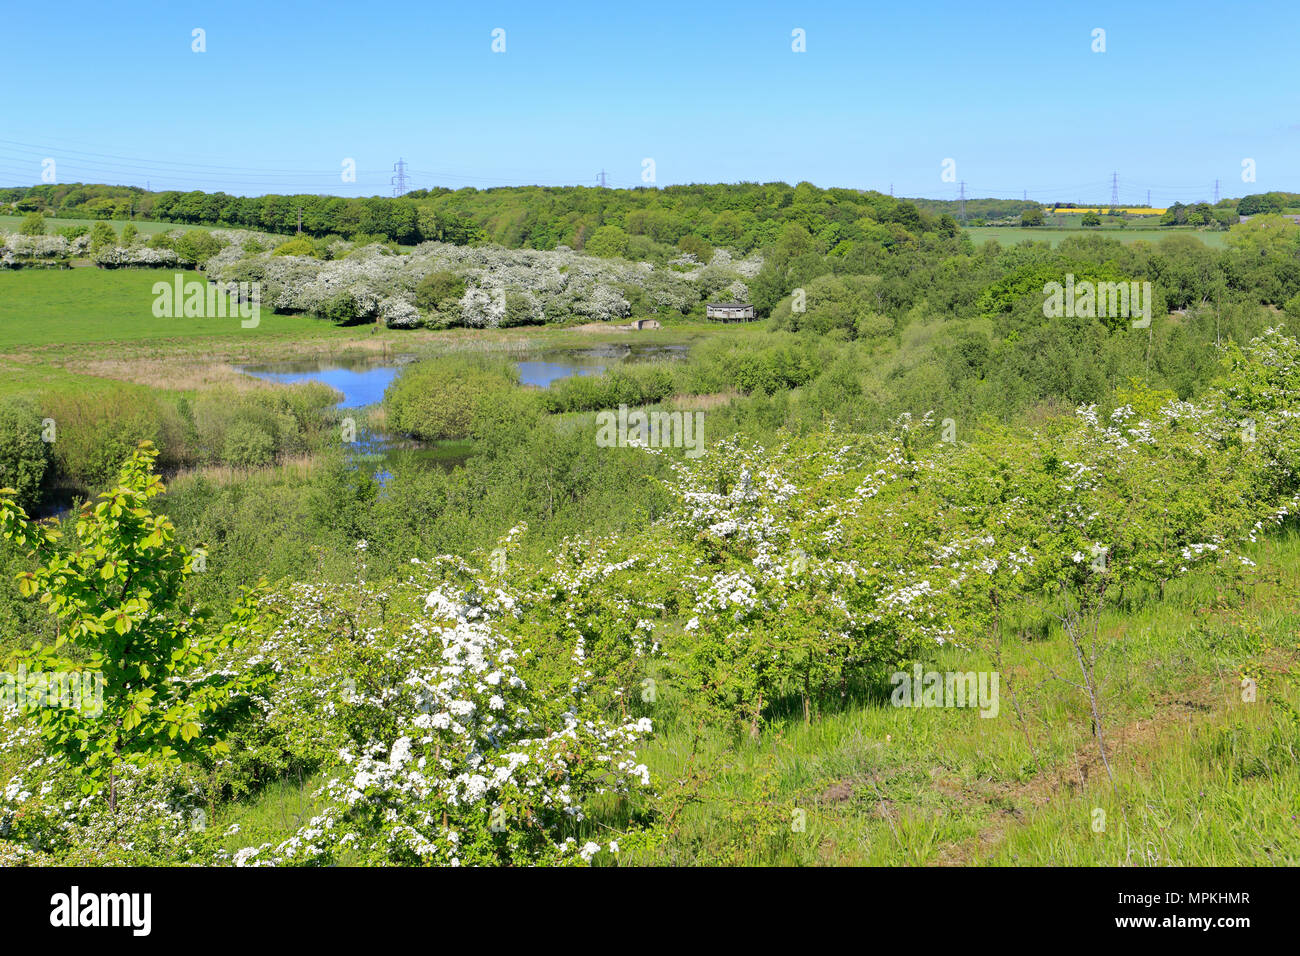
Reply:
x=642, y=223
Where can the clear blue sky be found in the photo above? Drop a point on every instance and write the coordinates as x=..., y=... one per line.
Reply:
x=711, y=91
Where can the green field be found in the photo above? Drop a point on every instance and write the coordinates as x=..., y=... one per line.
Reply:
x=1012, y=235
x=49, y=306
x=144, y=227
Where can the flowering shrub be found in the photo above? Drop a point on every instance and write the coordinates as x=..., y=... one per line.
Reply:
x=781, y=595
x=502, y=287
x=398, y=314
x=116, y=257
x=46, y=819
x=457, y=743
x=17, y=250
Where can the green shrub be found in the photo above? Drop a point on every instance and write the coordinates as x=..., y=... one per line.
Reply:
x=116, y=590
x=608, y=242
x=197, y=246
x=33, y=224
x=102, y=235
x=631, y=385
x=697, y=247
x=521, y=309
x=342, y=309
x=440, y=399
x=248, y=445
x=299, y=246
x=96, y=431
x=296, y=417
x=24, y=455
x=783, y=362
x=437, y=290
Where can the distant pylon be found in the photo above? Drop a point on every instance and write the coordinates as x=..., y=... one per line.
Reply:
x=963, y=202
x=1216, y=192
x=601, y=179
x=1114, y=190
x=399, y=181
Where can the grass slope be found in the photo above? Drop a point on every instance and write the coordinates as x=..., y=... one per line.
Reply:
x=143, y=226
x=51, y=306
x=1013, y=235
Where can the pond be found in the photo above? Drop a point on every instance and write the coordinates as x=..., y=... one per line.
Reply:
x=362, y=381
x=555, y=364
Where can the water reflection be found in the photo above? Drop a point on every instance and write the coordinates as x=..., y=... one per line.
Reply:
x=361, y=380
x=553, y=365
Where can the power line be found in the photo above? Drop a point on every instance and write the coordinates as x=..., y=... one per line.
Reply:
x=19, y=160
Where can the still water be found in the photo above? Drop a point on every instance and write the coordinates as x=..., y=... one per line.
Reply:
x=548, y=367
x=362, y=380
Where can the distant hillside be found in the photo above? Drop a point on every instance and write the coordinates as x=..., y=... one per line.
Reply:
x=976, y=208
x=1263, y=203
x=644, y=223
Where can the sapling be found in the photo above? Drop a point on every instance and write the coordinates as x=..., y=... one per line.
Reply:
x=117, y=594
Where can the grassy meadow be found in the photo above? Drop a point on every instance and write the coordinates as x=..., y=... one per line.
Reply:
x=1011, y=235
x=143, y=226
x=48, y=307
